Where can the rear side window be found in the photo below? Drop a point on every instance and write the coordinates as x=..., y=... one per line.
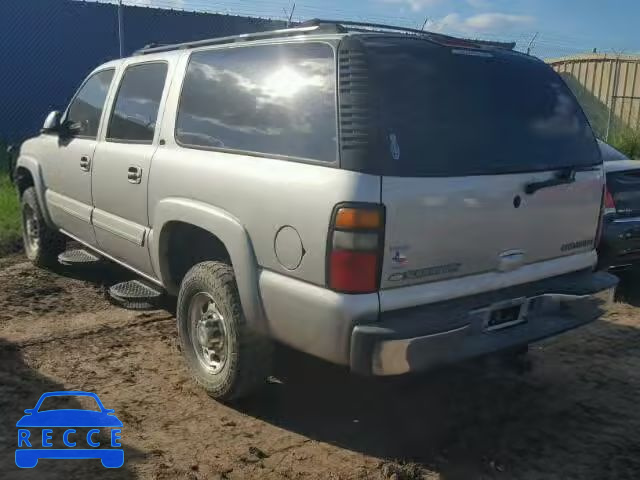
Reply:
x=136, y=107
x=270, y=99
x=86, y=108
x=452, y=112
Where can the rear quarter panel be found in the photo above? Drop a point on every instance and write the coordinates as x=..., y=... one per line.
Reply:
x=263, y=194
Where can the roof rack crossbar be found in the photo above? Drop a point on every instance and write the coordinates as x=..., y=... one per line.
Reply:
x=230, y=39
x=380, y=26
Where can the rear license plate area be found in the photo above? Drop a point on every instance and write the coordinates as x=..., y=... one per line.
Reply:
x=505, y=315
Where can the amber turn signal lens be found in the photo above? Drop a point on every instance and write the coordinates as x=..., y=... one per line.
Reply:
x=358, y=218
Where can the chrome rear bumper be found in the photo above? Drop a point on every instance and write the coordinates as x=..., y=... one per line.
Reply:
x=391, y=350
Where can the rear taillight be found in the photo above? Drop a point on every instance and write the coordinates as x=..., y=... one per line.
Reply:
x=607, y=206
x=354, y=250
x=609, y=203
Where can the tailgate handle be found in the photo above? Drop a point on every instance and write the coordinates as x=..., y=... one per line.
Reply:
x=563, y=177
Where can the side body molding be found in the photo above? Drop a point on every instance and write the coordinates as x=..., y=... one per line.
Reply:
x=230, y=232
x=35, y=169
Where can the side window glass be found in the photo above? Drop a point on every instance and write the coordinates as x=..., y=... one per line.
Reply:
x=270, y=99
x=137, y=103
x=85, y=109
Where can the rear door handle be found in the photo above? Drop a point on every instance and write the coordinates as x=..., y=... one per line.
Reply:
x=85, y=163
x=134, y=175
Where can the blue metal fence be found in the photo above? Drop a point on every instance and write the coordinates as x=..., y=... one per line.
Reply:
x=47, y=47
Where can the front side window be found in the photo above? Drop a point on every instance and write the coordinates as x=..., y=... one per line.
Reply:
x=270, y=99
x=86, y=108
x=136, y=107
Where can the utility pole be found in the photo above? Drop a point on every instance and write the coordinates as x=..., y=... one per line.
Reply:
x=289, y=15
x=614, y=96
x=120, y=28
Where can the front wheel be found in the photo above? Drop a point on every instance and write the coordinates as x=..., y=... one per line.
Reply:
x=41, y=243
x=224, y=356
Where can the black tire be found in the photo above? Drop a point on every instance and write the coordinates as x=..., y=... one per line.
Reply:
x=248, y=355
x=42, y=244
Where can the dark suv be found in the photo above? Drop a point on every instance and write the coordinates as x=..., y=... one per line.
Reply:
x=620, y=246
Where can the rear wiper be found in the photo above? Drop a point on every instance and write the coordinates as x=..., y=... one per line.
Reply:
x=563, y=177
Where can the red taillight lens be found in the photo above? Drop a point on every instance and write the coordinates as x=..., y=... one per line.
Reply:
x=353, y=272
x=609, y=203
x=608, y=206
x=354, y=250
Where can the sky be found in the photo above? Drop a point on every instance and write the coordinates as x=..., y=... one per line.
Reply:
x=560, y=27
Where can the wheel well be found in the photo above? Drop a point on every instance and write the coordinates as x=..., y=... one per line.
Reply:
x=182, y=246
x=23, y=179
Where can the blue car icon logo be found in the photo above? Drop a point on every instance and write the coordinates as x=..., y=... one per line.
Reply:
x=65, y=422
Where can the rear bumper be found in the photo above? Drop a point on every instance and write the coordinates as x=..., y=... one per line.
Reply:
x=421, y=338
x=620, y=243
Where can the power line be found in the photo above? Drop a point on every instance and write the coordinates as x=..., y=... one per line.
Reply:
x=543, y=41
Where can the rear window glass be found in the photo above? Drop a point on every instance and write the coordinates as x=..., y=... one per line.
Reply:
x=271, y=99
x=137, y=103
x=452, y=112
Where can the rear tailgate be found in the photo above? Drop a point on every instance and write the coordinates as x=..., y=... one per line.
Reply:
x=439, y=228
x=464, y=132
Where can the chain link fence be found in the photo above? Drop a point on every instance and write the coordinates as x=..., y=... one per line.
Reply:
x=608, y=88
x=48, y=47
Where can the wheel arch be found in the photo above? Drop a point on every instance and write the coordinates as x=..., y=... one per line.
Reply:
x=222, y=236
x=28, y=173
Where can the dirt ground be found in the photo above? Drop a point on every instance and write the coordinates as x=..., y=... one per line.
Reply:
x=574, y=415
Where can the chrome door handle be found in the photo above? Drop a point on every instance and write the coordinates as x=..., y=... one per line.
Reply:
x=134, y=175
x=85, y=163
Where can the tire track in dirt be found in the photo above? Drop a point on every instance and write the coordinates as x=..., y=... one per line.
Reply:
x=574, y=416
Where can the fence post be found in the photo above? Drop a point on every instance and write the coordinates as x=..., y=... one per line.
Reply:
x=120, y=29
x=614, y=95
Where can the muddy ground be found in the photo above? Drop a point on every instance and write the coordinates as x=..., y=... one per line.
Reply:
x=575, y=415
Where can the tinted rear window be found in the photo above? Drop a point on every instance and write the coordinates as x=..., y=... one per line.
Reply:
x=271, y=99
x=451, y=112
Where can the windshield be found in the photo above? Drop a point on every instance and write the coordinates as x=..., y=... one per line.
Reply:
x=455, y=112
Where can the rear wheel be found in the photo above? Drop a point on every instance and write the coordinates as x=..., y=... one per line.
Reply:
x=224, y=356
x=42, y=244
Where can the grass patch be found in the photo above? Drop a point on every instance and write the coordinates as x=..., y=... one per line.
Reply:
x=10, y=229
x=627, y=141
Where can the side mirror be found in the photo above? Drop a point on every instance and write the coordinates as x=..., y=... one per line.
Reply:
x=52, y=123
x=28, y=411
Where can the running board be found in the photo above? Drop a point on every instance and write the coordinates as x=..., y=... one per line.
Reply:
x=77, y=257
x=136, y=295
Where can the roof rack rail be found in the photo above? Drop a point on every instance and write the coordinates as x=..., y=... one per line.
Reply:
x=318, y=25
x=286, y=32
x=351, y=26
x=367, y=25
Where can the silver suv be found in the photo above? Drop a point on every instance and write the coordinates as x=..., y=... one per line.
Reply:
x=385, y=200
